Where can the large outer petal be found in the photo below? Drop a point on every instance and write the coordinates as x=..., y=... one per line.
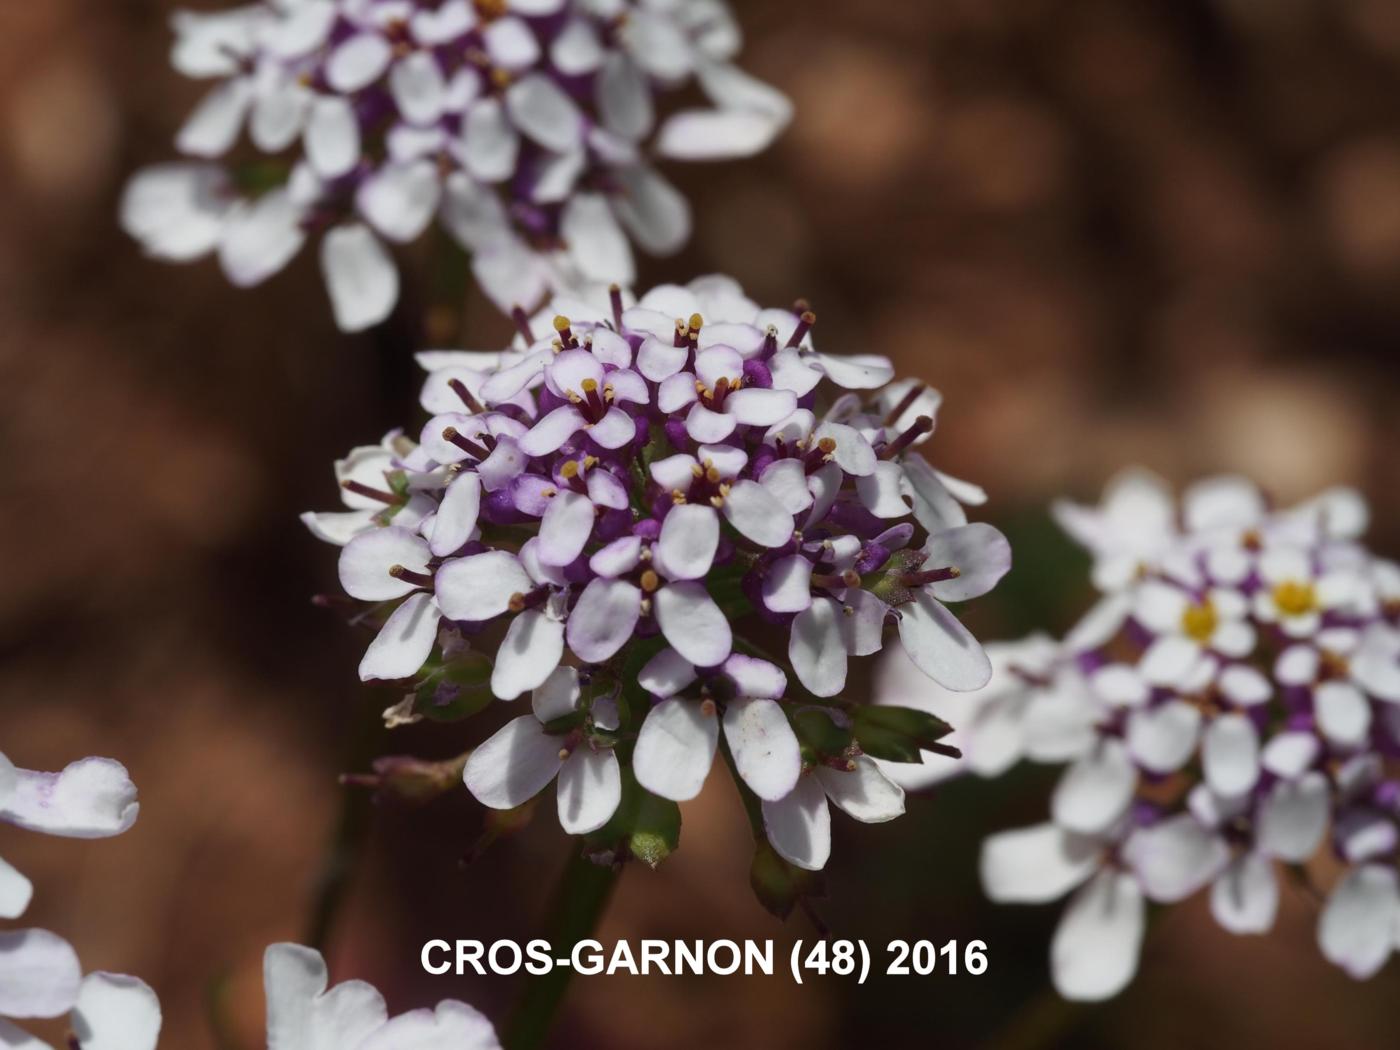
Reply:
x=39, y=974
x=764, y=746
x=675, y=749
x=693, y=623
x=404, y=642
x=529, y=654
x=91, y=798
x=799, y=825
x=116, y=1012
x=941, y=646
x=303, y=1015
x=590, y=788
x=1095, y=950
x=480, y=586
x=1035, y=864
x=513, y=765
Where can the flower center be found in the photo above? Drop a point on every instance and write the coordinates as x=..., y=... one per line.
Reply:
x=1199, y=621
x=1294, y=598
x=713, y=399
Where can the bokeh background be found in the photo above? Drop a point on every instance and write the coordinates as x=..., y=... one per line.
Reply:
x=1112, y=231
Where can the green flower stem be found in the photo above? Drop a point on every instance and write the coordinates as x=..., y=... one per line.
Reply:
x=347, y=841
x=580, y=899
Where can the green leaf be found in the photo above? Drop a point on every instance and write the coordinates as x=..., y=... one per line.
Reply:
x=919, y=726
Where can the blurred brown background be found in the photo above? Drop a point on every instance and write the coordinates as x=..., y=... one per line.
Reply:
x=1111, y=232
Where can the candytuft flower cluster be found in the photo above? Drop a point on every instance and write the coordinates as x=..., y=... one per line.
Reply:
x=526, y=127
x=671, y=523
x=1230, y=711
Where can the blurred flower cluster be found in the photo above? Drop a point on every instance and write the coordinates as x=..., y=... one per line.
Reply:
x=612, y=513
x=40, y=976
x=525, y=127
x=1230, y=712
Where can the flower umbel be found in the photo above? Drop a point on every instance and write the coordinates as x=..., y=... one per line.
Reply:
x=673, y=523
x=526, y=128
x=1230, y=711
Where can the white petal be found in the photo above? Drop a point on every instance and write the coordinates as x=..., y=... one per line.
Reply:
x=1343, y=713
x=712, y=134
x=653, y=210
x=765, y=748
x=528, y=655
x=1230, y=755
x=596, y=243
x=16, y=891
x=490, y=143
x=399, y=200
x=757, y=514
x=706, y=426
x=89, y=799
x=624, y=98
x=301, y=1013
x=815, y=648
x=451, y=1026
x=456, y=517
x=279, y=114
x=1169, y=660
x=979, y=552
x=360, y=276
x=176, y=211
x=480, y=586
x=544, y=113
x=1095, y=950
x=1095, y=791
x=787, y=481
x=1175, y=857
x=1356, y=930
x=758, y=407
x=1036, y=864
x=404, y=642
x=853, y=452
x=1244, y=899
x=1293, y=817
x=799, y=825
x=1244, y=686
x=864, y=793
x=514, y=765
x=675, y=749
x=1222, y=503
x=366, y=560
x=551, y=432
x=787, y=587
x=418, y=87
x=332, y=137
x=604, y=619
x=1163, y=738
x=693, y=623
x=213, y=127
x=590, y=788
x=882, y=493
x=39, y=974
x=358, y=62
x=566, y=528
x=116, y=1012
x=261, y=237
x=689, y=538
x=666, y=674
x=1290, y=754
x=941, y=646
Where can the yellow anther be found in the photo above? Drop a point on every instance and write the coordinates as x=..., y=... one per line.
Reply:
x=569, y=469
x=707, y=708
x=1199, y=621
x=1294, y=598
x=650, y=581
x=590, y=385
x=695, y=322
x=561, y=323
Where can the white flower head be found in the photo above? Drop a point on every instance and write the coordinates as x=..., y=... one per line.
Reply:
x=527, y=134
x=601, y=514
x=1235, y=694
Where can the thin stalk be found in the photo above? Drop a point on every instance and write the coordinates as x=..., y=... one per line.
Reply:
x=347, y=840
x=580, y=898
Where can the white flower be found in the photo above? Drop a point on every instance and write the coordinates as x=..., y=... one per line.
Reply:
x=304, y=1014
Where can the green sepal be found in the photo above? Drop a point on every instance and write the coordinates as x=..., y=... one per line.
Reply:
x=897, y=734
x=778, y=885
